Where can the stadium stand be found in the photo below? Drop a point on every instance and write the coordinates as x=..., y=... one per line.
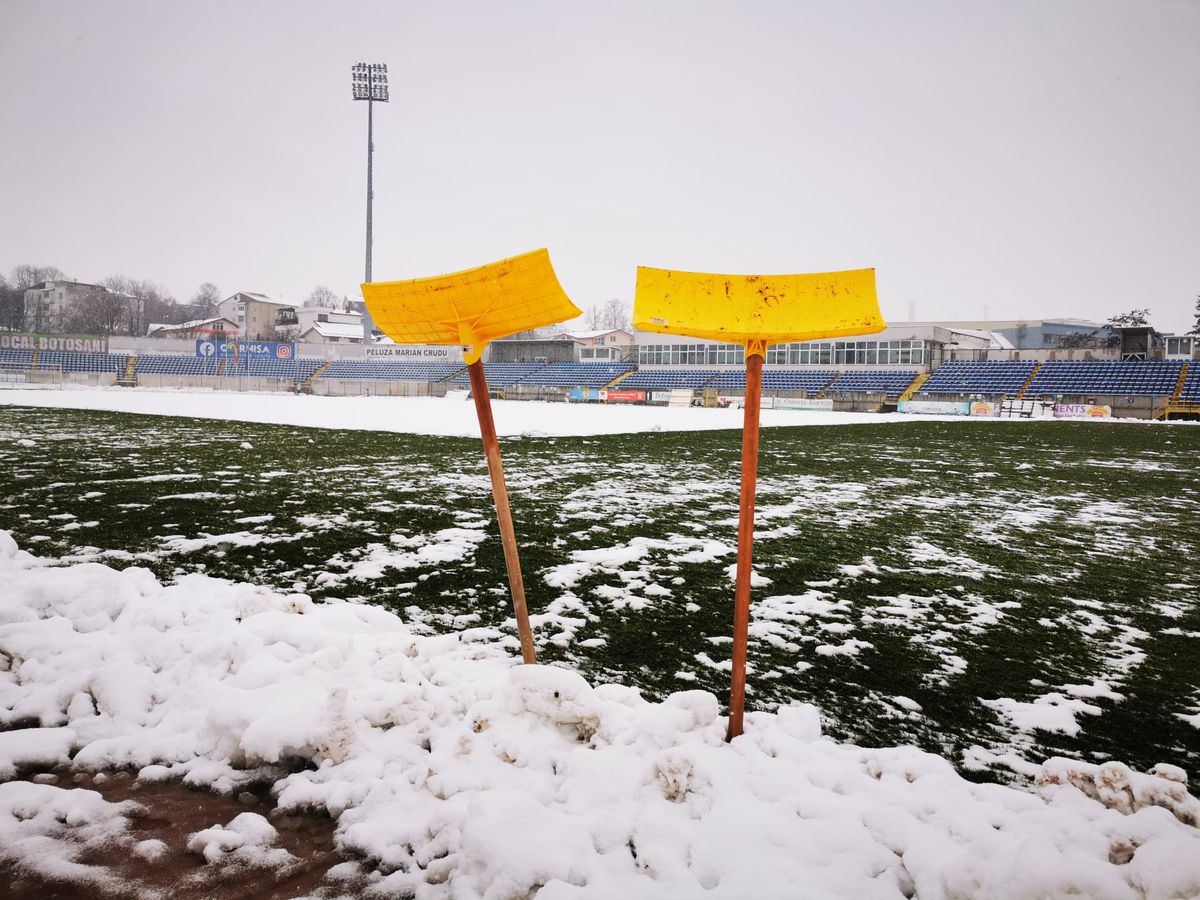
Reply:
x=295, y=369
x=70, y=361
x=573, y=375
x=1191, y=384
x=992, y=377
x=1135, y=377
x=889, y=383
x=16, y=359
x=667, y=380
x=812, y=381
x=390, y=371
x=159, y=364
x=501, y=374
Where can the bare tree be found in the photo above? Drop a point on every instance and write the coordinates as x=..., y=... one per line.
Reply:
x=12, y=306
x=1078, y=339
x=615, y=315
x=205, y=300
x=26, y=276
x=1135, y=318
x=97, y=311
x=323, y=296
x=593, y=318
x=1196, y=326
x=143, y=302
x=22, y=279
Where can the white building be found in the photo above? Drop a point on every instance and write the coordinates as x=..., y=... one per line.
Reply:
x=322, y=325
x=603, y=345
x=898, y=347
x=48, y=306
x=258, y=317
x=198, y=329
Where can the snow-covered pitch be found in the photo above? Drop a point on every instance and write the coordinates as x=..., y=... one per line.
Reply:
x=454, y=772
x=446, y=416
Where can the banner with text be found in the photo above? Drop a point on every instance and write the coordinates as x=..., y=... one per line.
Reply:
x=803, y=403
x=1082, y=411
x=624, y=396
x=935, y=407
x=79, y=343
x=244, y=350
x=415, y=352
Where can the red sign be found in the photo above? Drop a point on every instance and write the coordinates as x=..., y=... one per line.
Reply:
x=626, y=397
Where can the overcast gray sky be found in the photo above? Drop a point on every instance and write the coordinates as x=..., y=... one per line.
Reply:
x=1029, y=159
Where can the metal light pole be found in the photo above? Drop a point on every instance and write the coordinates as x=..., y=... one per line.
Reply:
x=369, y=81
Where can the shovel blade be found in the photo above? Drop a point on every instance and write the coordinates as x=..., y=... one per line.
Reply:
x=471, y=307
x=758, y=309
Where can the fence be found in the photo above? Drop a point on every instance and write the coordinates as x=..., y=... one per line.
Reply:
x=45, y=378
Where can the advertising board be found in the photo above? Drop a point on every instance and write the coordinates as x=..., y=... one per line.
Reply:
x=244, y=350
x=416, y=352
x=1082, y=411
x=934, y=407
x=79, y=343
x=624, y=396
x=811, y=403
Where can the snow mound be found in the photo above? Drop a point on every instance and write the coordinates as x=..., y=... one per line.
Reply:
x=245, y=841
x=454, y=772
x=45, y=830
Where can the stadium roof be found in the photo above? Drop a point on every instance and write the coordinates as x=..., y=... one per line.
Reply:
x=181, y=326
x=998, y=340
x=263, y=298
x=588, y=335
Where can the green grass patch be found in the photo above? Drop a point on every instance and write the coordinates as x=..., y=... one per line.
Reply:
x=996, y=560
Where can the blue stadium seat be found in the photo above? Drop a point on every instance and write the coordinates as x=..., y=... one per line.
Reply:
x=501, y=374
x=667, y=379
x=573, y=375
x=1005, y=377
x=1191, y=384
x=888, y=382
x=1153, y=377
x=380, y=370
x=810, y=380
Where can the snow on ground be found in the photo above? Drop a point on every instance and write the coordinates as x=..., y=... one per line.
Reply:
x=452, y=771
x=451, y=416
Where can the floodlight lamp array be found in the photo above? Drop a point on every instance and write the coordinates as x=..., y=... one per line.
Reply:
x=369, y=81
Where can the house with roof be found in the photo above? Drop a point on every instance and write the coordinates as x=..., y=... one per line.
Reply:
x=602, y=345
x=259, y=317
x=197, y=329
x=321, y=325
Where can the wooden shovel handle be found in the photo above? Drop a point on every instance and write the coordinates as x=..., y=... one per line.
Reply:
x=491, y=447
x=745, y=545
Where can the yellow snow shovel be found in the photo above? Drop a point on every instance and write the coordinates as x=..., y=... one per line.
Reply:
x=754, y=311
x=471, y=308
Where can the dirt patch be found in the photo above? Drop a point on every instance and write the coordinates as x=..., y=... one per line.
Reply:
x=172, y=812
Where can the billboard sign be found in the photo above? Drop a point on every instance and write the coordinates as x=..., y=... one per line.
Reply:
x=1082, y=411
x=242, y=350
x=416, y=352
x=934, y=407
x=78, y=343
x=803, y=403
x=624, y=396
x=583, y=395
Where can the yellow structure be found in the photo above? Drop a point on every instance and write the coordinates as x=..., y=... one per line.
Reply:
x=471, y=307
x=757, y=310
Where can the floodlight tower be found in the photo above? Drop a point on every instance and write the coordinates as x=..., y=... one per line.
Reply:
x=369, y=81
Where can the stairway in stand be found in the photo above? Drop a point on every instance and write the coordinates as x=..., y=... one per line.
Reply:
x=1028, y=381
x=912, y=389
